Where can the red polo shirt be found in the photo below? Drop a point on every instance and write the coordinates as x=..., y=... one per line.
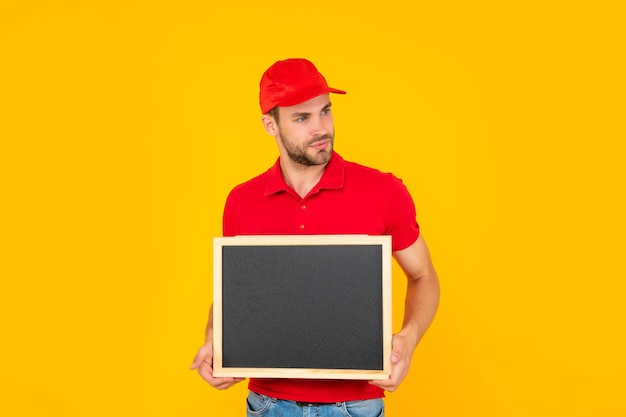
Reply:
x=348, y=199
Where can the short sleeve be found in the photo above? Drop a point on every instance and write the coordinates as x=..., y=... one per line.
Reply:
x=403, y=225
x=229, y=218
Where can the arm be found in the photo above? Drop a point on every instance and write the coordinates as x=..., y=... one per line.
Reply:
x=422, y=299
x=203, y=361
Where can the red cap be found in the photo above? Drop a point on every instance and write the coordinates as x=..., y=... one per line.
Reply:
x=291, y=82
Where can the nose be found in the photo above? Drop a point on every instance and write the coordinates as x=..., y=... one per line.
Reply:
x=318, y=126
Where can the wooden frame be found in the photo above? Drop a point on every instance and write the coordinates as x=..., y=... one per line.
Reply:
x=233, y=337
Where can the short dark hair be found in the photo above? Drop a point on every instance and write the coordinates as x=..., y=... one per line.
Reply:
x=274, y=113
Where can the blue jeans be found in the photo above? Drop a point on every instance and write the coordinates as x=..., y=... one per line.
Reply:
x=261, y=405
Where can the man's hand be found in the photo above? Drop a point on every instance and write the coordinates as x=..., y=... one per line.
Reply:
x=401, y=355
x=203, y=362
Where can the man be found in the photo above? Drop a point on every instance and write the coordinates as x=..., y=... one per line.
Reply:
x=312, y=190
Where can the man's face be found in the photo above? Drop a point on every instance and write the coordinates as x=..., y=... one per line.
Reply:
x=306, y=131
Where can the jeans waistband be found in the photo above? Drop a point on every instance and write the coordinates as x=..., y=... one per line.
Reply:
x=310, y=404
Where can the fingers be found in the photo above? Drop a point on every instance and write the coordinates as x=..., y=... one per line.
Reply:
x=388, y=384
x=205, y=353
x=224, y=383
x=399, y=367
x=196, y=363
x=391, y=384
x=205, y=370
x=203, y=362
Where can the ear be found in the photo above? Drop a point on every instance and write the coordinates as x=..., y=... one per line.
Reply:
x=269, y=124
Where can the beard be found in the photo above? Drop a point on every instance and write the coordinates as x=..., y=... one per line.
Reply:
x=299, y=155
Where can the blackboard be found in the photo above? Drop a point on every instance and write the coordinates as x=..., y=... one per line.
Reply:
x=302, y=306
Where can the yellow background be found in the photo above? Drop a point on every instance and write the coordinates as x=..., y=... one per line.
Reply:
x=124, y=124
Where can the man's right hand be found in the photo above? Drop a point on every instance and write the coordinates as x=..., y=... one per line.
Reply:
x=203, y=362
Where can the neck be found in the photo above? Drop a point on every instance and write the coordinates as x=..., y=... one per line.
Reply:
x=300, y=177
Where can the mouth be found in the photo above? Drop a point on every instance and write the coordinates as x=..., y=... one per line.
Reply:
x=319, y=145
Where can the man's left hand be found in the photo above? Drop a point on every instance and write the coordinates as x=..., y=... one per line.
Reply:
x=401, y=355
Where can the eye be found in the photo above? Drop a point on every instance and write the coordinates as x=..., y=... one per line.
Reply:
x=326, y=110
x=301, y=119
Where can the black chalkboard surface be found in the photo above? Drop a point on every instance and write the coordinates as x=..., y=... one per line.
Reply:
x=302, y=306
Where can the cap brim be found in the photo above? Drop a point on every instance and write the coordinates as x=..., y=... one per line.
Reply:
x=334, y=90
x=302, y=98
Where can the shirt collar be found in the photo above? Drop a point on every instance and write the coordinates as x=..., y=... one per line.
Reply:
x=331, y=178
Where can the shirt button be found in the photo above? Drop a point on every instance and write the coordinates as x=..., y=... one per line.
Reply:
x=303, y=207
x=301, y=226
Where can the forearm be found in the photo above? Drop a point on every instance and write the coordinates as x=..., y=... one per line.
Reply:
x=422, y=295
x=422, y=301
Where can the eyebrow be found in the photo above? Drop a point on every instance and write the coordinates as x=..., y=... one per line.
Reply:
x=302, y=114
